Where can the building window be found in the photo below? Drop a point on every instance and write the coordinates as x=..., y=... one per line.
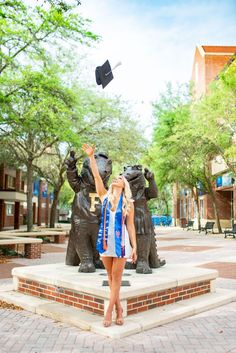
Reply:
x=189, y=208
x=183, y=206
x=11, y=182
x=22, y=185
x=202, y=208
x=195, y=209
x=9, y=209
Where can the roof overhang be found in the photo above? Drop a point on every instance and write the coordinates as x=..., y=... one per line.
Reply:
x=12, y=196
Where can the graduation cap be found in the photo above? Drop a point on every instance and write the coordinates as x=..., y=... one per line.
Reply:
x=104, y=73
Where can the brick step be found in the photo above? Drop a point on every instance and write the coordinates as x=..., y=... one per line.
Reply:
x=133, y=324
x=63, y=284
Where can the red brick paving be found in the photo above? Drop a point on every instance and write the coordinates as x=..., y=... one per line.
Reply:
x=46, y=248
x=187, y=248
x=226, y=269
x=168, y=239
x=5, y=269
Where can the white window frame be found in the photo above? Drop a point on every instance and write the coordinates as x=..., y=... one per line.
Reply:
x=11, y=209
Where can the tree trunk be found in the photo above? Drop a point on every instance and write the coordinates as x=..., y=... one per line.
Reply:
x=217, y=217
x=29, y=195
x=198, y=212
x=196, y=199
x=167, y=206
x=53, y=211
x=212, y=196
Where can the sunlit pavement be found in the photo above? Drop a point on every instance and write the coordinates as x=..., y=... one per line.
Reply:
x=208, y=332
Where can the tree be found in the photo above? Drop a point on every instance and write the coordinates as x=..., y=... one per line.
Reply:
x=35, y=117
x=180, y=152
x=26, y=31
x=218, y=110
x=36, y=108
x=98, y=120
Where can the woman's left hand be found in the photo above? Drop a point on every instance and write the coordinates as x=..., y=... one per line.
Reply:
x=134, y=255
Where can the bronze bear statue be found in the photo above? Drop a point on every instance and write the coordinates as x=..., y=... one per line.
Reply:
x=145, y=234
x=86, y=212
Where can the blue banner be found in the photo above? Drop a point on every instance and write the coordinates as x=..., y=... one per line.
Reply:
x=44, y=189
x=36, y=188
x=224, y=180
x=219, y=181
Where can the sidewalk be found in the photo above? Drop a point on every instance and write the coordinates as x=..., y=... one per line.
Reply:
x=208, y=332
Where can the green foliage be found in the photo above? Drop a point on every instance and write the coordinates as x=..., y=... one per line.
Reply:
x=188, y=134
x=66, y=196
x=25, y=29
x=37, y=114
x=217, y=110
x=162, y=205
x=108, y=125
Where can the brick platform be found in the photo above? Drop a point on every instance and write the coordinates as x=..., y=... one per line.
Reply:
x=33, y=251
x=96, y=305
x=168, y=296
x=61, y=295
x=85, y=291
x=60, y=238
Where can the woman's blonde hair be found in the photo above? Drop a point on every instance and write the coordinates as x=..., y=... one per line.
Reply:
x=127, y=196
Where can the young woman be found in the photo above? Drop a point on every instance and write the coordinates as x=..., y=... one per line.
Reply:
x=116, y=232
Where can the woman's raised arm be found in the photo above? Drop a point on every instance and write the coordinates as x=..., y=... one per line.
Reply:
x=100, y=188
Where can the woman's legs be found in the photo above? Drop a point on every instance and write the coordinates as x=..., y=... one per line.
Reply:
x=114, y=267
x=107, y=262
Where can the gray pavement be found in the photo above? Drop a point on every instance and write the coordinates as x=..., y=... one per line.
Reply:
x=208, y=332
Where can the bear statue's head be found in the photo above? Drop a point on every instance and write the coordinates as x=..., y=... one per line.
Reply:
x=104, y=167
x=134, y=175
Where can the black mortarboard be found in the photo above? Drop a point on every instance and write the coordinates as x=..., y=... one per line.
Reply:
x=104, y=73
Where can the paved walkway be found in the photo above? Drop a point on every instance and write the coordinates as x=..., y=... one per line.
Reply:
x=208, y=332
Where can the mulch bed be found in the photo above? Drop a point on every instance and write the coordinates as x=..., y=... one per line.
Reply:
x=4, y=305
x=7, y=258
x=4, y=259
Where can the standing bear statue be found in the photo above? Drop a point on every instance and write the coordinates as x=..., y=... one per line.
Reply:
x=86, y=212
x=146, y=243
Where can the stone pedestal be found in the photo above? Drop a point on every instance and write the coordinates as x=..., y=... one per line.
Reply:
x=60, y=238
x=85, y=291
x=62, y=293
x=33, y=251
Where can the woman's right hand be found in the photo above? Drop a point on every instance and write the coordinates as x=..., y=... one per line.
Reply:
x=89, y=150
x=134, y=255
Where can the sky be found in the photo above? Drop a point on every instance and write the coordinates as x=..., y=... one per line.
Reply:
x=155, y=40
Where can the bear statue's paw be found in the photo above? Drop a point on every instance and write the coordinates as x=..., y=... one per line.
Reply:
x=158, y=263
x=87, y=267
x=98, y=264
x=130, y=266
x=162, y=262
x=143, y=267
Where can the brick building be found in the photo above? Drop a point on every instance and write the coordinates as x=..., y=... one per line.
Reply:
x=208, y=62
x=13, y=206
